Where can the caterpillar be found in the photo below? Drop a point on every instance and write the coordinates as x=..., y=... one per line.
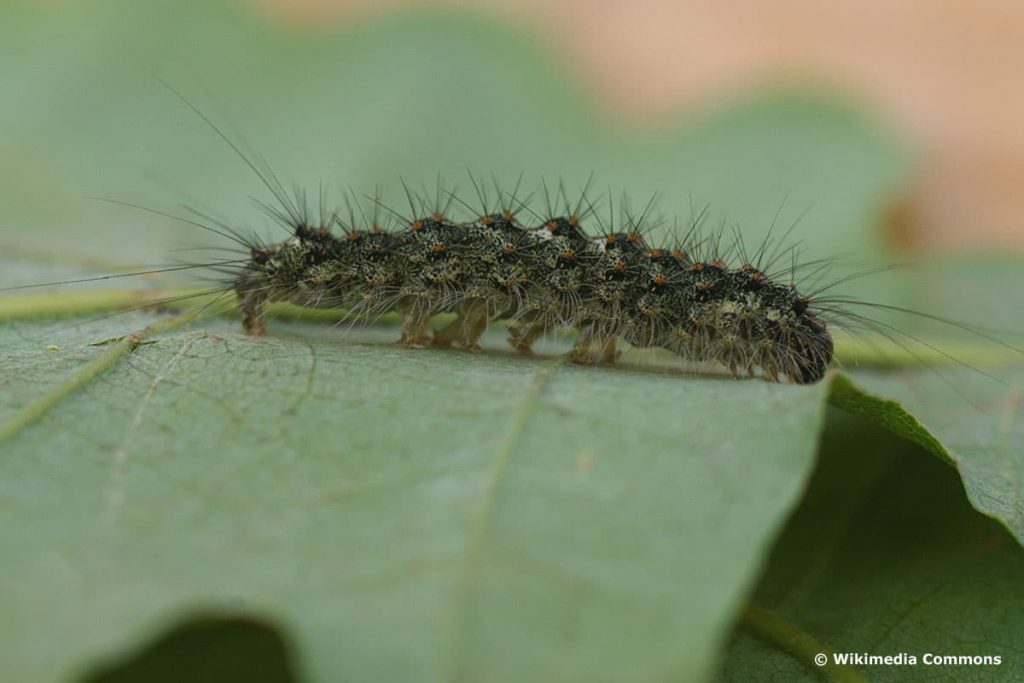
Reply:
x=607, y=286
x=538, y=272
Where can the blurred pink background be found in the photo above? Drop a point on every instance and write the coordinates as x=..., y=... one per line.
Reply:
x=948, y=73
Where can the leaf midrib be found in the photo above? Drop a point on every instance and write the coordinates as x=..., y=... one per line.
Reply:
x=472, y=557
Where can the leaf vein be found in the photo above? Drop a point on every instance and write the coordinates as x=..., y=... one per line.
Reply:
x=92, y=370
x=473, y=555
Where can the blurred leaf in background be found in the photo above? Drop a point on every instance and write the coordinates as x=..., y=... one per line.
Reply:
x=408, y=97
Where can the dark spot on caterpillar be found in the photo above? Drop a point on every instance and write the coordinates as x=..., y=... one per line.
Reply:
x=625, y=242
x=566, y=227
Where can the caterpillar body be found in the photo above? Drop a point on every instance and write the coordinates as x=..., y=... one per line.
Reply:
x=608, y=286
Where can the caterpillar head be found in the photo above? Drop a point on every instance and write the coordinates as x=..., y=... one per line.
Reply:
x=741, y=319
x=805, y=344
x=812, y=352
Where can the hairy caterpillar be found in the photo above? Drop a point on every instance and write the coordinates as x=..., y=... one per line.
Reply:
x=608, y=286
x=537, y=271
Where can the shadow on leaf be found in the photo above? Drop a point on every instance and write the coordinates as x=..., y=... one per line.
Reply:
x=204, y=650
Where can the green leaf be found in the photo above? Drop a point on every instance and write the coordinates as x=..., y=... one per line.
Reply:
x=884, y=556
x=963, y=401
x=969, y=420
x=410, y=515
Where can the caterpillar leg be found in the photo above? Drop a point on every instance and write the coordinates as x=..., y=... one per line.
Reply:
x=415, y=316
x=469, y=325
x=608, y=352
x=253, y=302
x=580, y=352
x=583, y=351
x=523, y=334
